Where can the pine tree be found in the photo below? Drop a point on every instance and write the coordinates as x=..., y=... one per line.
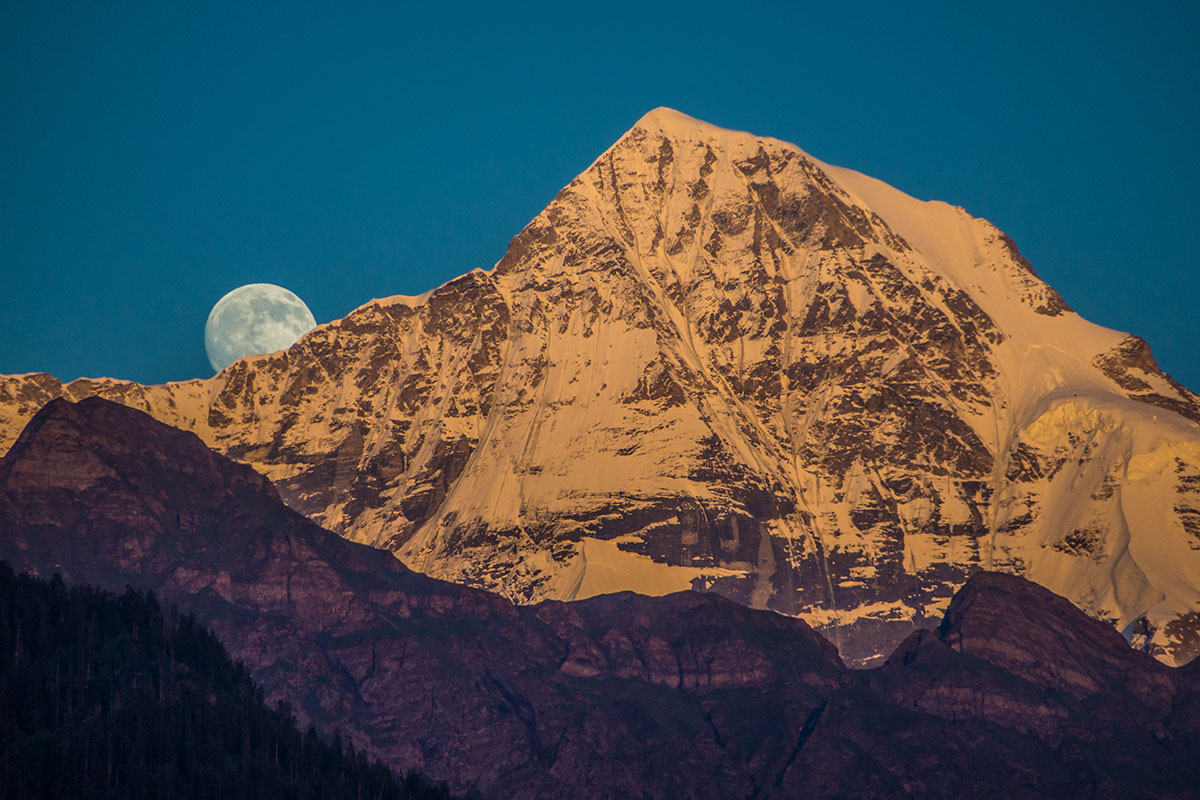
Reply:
x=113, y=697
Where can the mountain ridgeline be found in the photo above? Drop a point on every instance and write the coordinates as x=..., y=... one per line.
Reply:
x=715, y=361
x=1016, y=694
x=112, y=696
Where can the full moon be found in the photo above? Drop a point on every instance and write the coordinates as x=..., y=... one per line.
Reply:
x=253, y=319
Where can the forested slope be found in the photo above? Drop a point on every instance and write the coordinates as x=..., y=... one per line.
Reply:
x=106, y=696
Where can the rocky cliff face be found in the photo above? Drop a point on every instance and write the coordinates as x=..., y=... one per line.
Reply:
x=714, y=361
x=1017, y=694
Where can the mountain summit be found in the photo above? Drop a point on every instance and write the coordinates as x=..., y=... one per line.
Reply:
x=716, y=362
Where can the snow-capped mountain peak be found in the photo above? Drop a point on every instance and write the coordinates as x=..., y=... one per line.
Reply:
x=714, y=361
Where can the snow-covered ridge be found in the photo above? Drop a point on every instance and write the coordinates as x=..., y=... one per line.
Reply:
x=713, y=360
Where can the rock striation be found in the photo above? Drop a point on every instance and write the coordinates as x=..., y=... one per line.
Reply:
x=714, y=361
x=1016, y=694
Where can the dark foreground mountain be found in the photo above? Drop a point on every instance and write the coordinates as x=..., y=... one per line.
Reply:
x=714, y=361
x=1017, y=694
x=113, y=697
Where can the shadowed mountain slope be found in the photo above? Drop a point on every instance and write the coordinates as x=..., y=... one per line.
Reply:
x=113, y=697
x=1018, y=694
x=715, y=361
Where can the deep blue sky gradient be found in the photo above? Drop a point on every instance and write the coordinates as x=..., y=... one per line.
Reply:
x=154, y=156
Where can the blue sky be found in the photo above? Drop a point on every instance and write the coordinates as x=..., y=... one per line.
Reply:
x=154, y=156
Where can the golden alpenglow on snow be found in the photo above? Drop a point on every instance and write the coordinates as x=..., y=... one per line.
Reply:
x=716, y=362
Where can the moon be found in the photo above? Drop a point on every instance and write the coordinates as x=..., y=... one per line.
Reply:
x=253, y=319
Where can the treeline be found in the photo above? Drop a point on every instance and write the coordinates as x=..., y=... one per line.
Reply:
x=106, y=696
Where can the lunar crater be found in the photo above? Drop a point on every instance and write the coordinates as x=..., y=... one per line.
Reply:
x=254, y=319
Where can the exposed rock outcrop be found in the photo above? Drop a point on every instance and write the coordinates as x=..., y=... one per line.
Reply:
x=1017, y=694
x=715, y=361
